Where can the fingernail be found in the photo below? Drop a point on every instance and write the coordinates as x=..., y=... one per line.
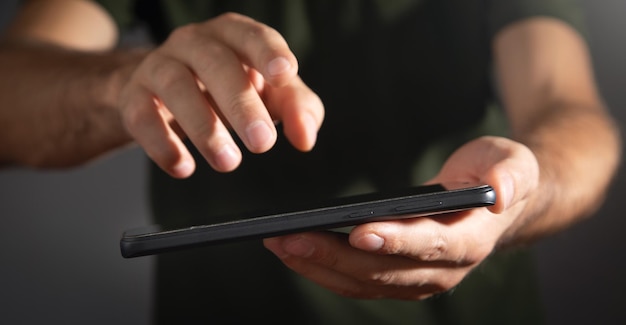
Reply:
x=277, y=66
x=260, y=136
x=370, y=242
x=299, y=246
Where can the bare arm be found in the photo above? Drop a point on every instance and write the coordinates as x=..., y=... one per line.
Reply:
x=549, y=91
x=58, y=101
x=68, y=96
x=555, y=170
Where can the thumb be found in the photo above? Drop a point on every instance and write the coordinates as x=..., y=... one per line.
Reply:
x=514, y=174
x=508, y=166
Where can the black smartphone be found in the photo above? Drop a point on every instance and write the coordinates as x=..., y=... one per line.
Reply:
x=339, y=212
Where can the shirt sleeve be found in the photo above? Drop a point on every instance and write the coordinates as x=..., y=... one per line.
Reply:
x=504, y=12
x=121, y=11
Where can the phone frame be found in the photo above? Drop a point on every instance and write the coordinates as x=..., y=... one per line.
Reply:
x=340, y=212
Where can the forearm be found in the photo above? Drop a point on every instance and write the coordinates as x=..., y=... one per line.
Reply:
x=58, y=107
x=547, y=85
x=578, y=148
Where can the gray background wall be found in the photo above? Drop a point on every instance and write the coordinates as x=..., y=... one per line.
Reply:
x=59, y=230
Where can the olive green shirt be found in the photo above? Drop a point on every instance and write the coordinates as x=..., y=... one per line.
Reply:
x=404, y=83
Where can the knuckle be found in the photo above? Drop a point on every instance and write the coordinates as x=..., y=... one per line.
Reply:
x=252, y=34
x=210, y=57
x=133, y=115
x=473, y=250
x=202, y=134
x=435, y=249
x=184, y=33
x=213, y=50
x=382, y=278
x=256, y=38
x=132, y=118
x=326, y=258
x=230, y=16
x=256, y=31
x=170, y=74
x=394, y=245
x=240, y=106
x=262, y=39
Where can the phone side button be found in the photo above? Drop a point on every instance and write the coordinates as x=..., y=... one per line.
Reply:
x=360, y=214
x=418, y=207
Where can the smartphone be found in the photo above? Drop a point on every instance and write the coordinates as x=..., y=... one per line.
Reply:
x=329, y=214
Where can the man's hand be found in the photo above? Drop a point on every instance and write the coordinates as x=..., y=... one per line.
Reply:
x=230, y=71
x=416, y=258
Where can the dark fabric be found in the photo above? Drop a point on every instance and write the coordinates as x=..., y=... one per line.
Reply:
x=396, y=77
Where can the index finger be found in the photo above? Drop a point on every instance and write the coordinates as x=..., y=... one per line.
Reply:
x=446, y=238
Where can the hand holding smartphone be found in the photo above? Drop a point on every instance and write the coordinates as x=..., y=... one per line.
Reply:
x=345, y=211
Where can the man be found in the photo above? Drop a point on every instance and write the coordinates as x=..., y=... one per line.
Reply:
x=399, y=81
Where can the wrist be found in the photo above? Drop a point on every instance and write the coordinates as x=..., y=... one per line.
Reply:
x=116, y=74
x=74, y=117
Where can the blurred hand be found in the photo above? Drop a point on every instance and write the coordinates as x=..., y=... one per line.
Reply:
x=416, y=258
x=230, y=71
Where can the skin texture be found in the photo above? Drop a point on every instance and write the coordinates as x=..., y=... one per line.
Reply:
x=233, y=72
